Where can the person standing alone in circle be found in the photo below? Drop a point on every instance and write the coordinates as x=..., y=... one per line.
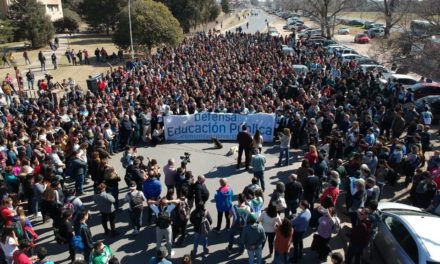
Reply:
x=244, y=144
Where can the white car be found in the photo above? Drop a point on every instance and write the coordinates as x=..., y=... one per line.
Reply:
x=300, y=69
x=350, y=57
x=375, y=68
x=287, y=50
x=343, y=31
x=407, y=235
x=347, y=51
x=405, y=80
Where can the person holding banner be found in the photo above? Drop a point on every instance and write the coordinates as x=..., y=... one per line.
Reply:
x=244, y=144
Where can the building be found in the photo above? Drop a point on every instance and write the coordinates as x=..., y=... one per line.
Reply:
x=54, y=8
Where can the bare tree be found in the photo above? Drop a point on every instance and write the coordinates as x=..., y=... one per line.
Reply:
x=393, y=12
x=326, y=11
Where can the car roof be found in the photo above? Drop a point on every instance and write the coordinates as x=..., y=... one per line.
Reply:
x=421, y=85
x=371, y=65
x=402, y=76
x=422, y=227
x=382, y=206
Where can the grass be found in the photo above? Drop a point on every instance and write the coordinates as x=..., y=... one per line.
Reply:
x=65, y=70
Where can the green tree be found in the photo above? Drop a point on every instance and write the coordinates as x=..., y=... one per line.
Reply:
x=101, y=14
x=225, y=6
x=69, y=22
x=32, y=23
x=74, y=5
x=183, y=11
x=152, y=25
x=7, y=31
x=192, y=13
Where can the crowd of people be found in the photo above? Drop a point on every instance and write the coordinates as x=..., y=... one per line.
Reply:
x=359, y=137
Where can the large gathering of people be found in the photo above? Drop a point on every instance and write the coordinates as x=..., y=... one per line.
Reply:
x=360, y=138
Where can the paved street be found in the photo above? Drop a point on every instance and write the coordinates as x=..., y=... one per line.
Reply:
x=211, y=163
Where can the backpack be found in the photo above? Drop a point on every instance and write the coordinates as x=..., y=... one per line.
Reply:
x=163, y=219
x=205, y=226
x=183, y=211
x=136, y=201
x=58, y=237
x=68, y=206
x=77, y=241
x=241, y=218
x=124, y=160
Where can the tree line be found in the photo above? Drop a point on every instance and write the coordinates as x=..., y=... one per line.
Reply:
x=154, y=21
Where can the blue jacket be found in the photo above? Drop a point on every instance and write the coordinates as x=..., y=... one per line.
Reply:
x=152, y=188
x=223, y=199
x=301, y=222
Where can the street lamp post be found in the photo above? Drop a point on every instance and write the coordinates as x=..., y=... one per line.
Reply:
x=131, y=33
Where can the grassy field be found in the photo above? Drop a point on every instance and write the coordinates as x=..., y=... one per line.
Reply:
x=65, y=70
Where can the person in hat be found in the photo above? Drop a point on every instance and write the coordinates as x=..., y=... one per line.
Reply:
x=160, y=257
x=253, y=237
x=136, y=200
x=244, y=145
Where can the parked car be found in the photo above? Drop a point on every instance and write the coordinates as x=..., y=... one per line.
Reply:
x=343, y=31
x=355, y=23
x=366, y=60
x=406, y=235
x=376, y=32
x=350, y=57
x=299, y=68
x=433, y=101
x=347, y=51
x=386, y=73
x=287, y=50
x=421, y=90
x=405, y=80
x=361, y=38
x=328, y=42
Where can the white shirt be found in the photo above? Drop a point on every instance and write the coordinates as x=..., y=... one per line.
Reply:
x=269, y=223
x=9, y=248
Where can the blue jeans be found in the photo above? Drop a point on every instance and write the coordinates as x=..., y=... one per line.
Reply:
x=200, y=239
x=114, y=191
x=255, y=254
x=110, y=147
x=79, y=183
x=284, y=151
x=136, y=218
x=232, y=232
x=260, y=175
x=281, y=258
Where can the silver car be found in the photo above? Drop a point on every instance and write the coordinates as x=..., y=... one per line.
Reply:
x=407, y=235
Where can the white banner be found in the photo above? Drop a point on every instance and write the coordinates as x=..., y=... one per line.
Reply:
x=204, y=126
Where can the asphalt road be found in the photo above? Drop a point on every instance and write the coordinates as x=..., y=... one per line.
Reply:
x=209, y=162
x=212, y=163
x=257, y=23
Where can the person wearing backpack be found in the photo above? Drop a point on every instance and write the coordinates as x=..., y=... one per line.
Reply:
x=105, y=202
x=253, y=238
x=223, y=203
x=136, y=201
x=163, y=209
x=180, y=216
x=201, y=220
x=239, y=213
x=66, y=232
x=83, y=231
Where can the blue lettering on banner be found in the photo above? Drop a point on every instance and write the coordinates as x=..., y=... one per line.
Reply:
x=203, y=126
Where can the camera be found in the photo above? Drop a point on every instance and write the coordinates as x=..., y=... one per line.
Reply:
x=185, y=159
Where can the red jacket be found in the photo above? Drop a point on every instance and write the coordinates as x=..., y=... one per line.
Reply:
x=6, y=214
x=333, y=192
